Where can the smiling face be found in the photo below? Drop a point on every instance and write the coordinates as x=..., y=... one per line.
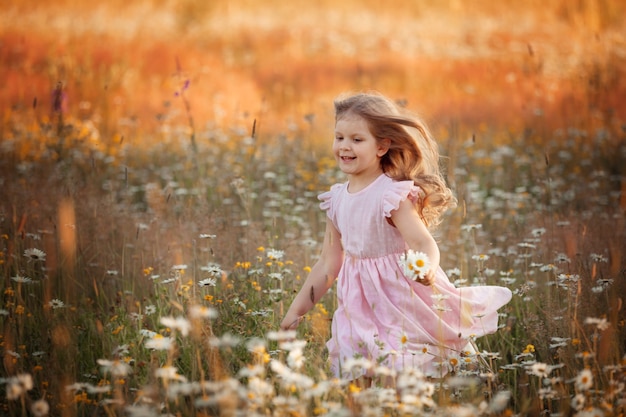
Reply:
x=357, y=152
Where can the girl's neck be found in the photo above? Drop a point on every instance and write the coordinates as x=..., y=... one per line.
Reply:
x=358, y=182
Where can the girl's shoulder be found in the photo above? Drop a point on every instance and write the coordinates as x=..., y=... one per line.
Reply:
x=331, y=194
x=397, y=191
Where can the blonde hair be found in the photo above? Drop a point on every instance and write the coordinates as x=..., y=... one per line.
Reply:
x=413, y=153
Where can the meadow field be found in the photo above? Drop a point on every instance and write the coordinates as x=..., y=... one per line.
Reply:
x=160, y=163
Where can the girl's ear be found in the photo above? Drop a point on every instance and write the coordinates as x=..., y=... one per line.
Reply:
x=383, y=147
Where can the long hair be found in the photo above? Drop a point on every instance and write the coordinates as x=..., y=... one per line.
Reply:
x=413, y=153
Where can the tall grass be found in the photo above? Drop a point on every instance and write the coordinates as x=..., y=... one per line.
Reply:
x=157, y=218
x=107, y=254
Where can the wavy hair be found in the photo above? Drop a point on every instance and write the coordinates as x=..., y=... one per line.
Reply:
x=413, y=153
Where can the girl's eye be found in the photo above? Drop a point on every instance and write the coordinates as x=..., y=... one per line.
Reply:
x=338, y=138
x=358, y=139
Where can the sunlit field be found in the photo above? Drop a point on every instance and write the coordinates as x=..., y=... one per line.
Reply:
x=160, y=163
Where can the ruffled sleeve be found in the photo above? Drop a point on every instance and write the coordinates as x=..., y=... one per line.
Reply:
x=327, y=197
x=398, y=192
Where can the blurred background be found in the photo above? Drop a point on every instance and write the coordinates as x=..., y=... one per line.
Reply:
x=128, y=67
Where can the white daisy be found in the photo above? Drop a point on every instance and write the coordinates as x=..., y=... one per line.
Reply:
x=208, y=282
x=159, y=343
x=56, y=303
x=179, y=323
x=584, y=380
x=35, y=254
x=40, y=408
x=275, y=254
x=21, y=279
x=414, y=264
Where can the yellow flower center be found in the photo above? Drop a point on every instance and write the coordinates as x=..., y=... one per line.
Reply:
x=419, y=263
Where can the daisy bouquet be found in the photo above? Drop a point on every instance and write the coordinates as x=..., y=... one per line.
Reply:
x=414, y=264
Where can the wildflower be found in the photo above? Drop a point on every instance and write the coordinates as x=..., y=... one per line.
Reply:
x=454, y=272
x=481, y=257
x=21, y=279
x=441, y=307
x=538, y=232
x=181, y=267
x=148, y=333
x=356, y=365
x=207, y=236
x=18, y=385
x=453, y=361
x=598, y=258
x=500, y=401
x=213, y=269
x=120, y=350
x=40, y=408
x=508, y=280
x=281, y=335
x=295, y=359
x=540, y=369
x=548, y=267
x=578, y=402
x=208, y=282
x=403, y=339
x=291, y=378
x=118, y=369
x=178, y=323
x=227, y=340
x=169, y=372
x=35, y=254
x=601, y=324
x=414, y=264
x=276, y=275
x=526, y=245
x=149, y=310
x=559, y=342
x=159, y=343
x=275, y=254
x=584, y=380
x=256, y=345
x=259, y=388
x=562, y=258
x=202, y=312
x=293, y=345
x=470, y=227
x=56, y=303
x=605, y=283
x=568, y=277
x=141, y=410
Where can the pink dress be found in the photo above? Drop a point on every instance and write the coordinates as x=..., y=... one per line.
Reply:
x=384, y=316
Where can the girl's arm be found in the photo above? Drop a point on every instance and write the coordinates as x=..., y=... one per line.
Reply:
x=417, y=236
x=320, y=279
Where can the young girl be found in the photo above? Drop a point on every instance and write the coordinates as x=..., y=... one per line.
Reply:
x=395, y=191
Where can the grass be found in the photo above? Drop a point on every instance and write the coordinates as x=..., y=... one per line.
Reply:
x=143, y=274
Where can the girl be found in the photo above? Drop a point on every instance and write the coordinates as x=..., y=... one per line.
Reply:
x=394, y=192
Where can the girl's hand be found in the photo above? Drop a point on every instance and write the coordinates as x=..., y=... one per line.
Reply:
x=429, y=278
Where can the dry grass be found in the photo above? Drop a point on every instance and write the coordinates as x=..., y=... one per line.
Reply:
x=525, y=101
x=486, y=63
